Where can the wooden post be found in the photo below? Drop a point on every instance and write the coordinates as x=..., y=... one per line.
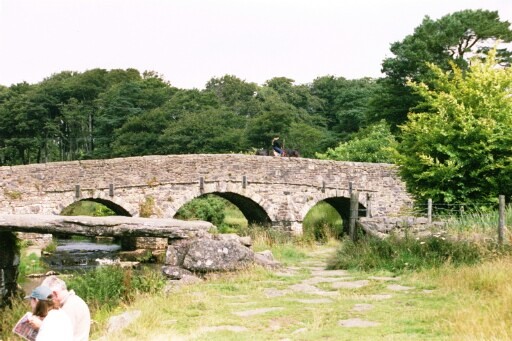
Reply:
x=429, y=211
x=368, y=205
x=501, y=220
x=78, y=193
x=354, y=212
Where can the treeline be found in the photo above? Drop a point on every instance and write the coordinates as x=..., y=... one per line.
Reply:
x=105, y=114
x=442, y=112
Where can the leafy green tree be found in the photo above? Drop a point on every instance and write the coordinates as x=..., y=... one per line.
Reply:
x=345, y=102
x=235, y=94
x=208, y=131
x=452, y=38
x=460, y=150
x=275, y=118
x=123, y=102
x=374, y=143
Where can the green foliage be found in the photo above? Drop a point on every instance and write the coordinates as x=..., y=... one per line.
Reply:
x=398, y=254
x=87, y=208
x=208, y=208
x=10, y=315
x=372, y=144
x=459, y=151
x=322, y=223
x=108, y=286
x=451, y=38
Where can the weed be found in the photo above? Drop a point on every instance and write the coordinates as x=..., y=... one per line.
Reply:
x=13, y=195
x=147, y=207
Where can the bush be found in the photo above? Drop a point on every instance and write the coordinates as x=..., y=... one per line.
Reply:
x=398, y=254
x=322, y=223
x=208, y=208
x=108, y=286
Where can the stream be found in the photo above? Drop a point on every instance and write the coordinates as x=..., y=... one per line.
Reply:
x=72, y=256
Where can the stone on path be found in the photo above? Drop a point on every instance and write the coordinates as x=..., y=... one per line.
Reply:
x=116, y=323
x=275, y=292
x=362, y=307
x=378, y=297
x=397, y=287
x=310, y=289
x=316, y=280
x=258, y=311
x=330, y=273
x=350, y=285
x=313, y=300
x=235, y=329
x=384, y=278
x=357, y=322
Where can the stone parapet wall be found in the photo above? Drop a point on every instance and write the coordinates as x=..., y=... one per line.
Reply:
x=384, y=226
x=285, y=188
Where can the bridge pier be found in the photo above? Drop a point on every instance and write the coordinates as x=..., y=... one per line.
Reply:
x=294, y=227
x=9, y=262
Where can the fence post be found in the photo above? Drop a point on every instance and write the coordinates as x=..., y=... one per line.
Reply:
x=429, y=211
x=354, y=212
x=501, y=220
x=368, y=205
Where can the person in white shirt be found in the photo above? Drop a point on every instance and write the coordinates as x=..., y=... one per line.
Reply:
x=53, y=323
x=73, y=305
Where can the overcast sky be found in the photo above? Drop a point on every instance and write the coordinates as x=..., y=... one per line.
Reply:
x=190, y=41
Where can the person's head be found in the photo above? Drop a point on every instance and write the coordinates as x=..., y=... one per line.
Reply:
x=58, y=288
x=41, y=301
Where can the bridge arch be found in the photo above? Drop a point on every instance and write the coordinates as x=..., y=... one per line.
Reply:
x=247, y=203
x=116, y=208
x=341, y=204
x=282, y=189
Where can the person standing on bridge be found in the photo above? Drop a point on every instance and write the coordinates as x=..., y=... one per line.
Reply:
x=276, y=146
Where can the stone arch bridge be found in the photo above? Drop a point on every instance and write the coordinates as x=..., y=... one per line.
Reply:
x=268, y=190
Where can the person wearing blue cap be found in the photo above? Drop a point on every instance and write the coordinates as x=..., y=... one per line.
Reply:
x=56, y=325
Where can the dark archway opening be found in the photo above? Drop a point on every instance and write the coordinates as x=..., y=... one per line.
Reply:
x=95, y=207
x=342, y=206
x=224, y=210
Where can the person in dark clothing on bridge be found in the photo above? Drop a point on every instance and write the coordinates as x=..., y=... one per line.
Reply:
x=276, y=146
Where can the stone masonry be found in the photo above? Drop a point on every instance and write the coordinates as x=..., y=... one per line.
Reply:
x=275, y=190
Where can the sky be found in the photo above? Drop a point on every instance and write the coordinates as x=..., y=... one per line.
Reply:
x=189, y=42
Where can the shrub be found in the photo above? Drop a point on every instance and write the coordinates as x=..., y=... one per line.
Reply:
x=108, y=286
x=208, y=208
x=407, y=253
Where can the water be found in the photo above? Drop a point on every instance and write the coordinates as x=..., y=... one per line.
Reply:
x=72, y=255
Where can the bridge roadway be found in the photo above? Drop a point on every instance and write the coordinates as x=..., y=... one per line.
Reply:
x=278, y=191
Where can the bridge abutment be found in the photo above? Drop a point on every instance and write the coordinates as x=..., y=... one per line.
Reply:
x=9, y=263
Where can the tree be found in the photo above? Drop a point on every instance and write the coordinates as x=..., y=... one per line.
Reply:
x=459, y=151
x=371, y=144
x=210, y=130
x=453, y=38
x=345, y=102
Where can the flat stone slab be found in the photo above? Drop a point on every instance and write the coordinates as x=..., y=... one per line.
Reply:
x=397, y=287
x=357, y=323
x=316, y=280
x=350, y=285
x=310, y=289
x=259, y=311
x=379, y=297
x=384, y=278
x=275, y=292
x=235, y=329
x=362, y=307
x=330, y=273
x=313, y=301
